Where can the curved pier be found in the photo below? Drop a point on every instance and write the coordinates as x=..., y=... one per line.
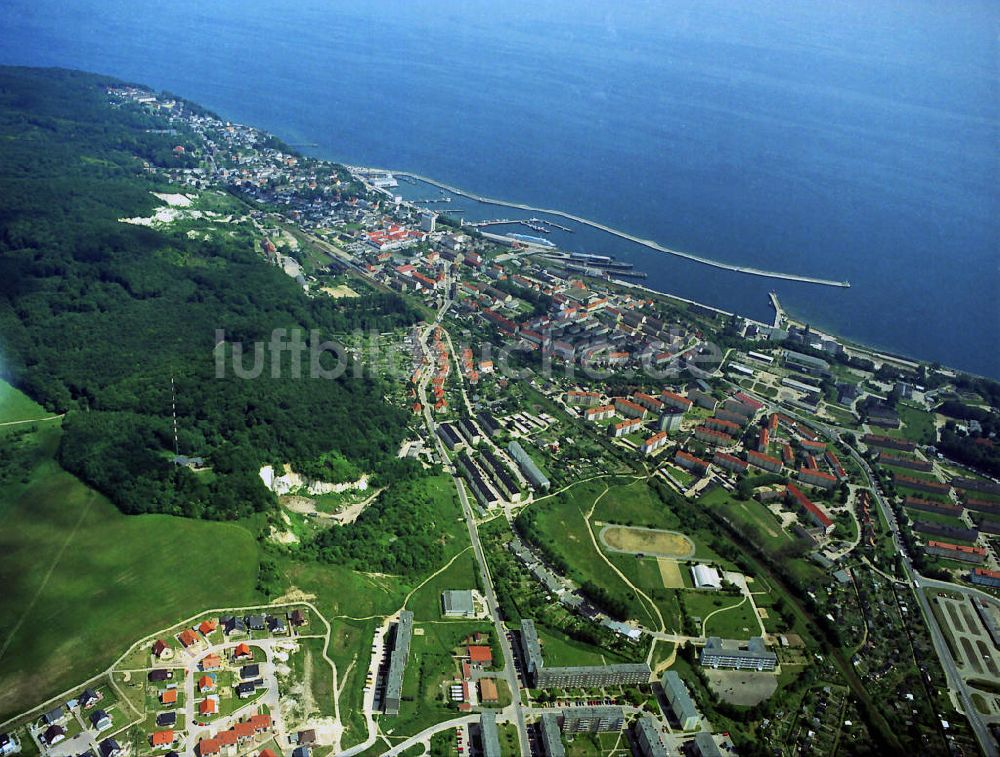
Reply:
x=625, y=235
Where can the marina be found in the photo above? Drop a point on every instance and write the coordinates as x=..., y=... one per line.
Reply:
x=749, y=270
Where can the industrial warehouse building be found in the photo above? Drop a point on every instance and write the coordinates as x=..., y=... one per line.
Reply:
x=541, y=677
x=719, y=653
x=706, y=577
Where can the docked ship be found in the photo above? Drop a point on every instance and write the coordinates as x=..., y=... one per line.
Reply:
x=532, y=240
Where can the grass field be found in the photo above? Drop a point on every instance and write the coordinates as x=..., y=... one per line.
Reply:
x=679, y=475
x=16, y=406
x=350, y=652
x=563, y=525
x=750, y=513
x=645, y=574
x=426, y=601
x=82, y=582
x=920, y=475
x=559, y=649
x=737, y=623
x=634, y=504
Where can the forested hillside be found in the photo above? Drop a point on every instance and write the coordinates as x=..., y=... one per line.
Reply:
x=96, y=316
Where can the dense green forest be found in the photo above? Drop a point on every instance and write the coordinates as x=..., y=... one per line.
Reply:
x=97, y=316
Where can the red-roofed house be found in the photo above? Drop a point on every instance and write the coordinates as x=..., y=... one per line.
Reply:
x=730, y=462
x=655, y=442
x=480, y=654
x=689, y=461
x=207, y=626
x=628, y=408
x=168, y=696
x=188, y=637
x=817, y=478
x=208, y=747
x=162, y=738
x=766, y=462
x=242, y=650
x=675, y=400
x=208, y=707
x=709, y=436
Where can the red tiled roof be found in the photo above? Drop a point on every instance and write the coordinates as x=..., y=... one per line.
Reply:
x=208, y=626
x=187, y=637
x=162, y=738
x=987, y=573
x=957, y=547
x=808, y=505
x=760, y=456
x=481, y=654
x=746, y=399
x=816, y=473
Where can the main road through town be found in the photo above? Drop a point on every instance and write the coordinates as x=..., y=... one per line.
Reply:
x=477, y=547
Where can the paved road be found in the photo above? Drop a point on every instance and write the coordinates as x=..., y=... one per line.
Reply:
x=477, y=548
x=425, y=734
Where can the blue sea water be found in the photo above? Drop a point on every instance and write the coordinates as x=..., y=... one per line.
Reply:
x=854, y=140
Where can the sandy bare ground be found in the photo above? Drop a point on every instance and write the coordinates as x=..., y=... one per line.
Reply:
x=647, y=541
x=342, y=290
x=670, y=573
x=294, y=594
x=741, y=687
x=173, y=200
x=306, y=506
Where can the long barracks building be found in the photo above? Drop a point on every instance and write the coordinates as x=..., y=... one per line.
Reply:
x=541, y=677
x=397, y=663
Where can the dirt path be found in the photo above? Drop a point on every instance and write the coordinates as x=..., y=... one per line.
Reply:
x=705, y=620
x=33, y=420
x=48, y=574
x=438, y=572
x=639, y=592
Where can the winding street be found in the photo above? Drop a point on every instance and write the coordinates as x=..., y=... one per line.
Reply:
x=514, y=709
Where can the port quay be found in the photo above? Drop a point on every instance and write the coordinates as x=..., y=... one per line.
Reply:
x=625, y=235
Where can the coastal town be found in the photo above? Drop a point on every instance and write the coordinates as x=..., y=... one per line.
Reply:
x=690, y=529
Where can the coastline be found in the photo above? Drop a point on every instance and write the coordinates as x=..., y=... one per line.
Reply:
x=648, y=243
x=877, y=353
